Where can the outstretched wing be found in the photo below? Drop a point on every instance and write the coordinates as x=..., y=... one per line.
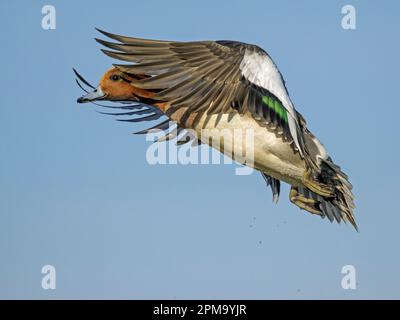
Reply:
x=211, y=77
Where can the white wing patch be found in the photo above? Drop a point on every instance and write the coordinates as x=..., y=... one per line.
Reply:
x=259, y=69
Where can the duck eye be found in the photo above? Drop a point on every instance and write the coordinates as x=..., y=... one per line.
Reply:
x=114, y=77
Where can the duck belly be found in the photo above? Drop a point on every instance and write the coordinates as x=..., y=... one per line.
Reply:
x=245, y=141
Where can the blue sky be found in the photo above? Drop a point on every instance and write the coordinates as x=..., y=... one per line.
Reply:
x=77, y=192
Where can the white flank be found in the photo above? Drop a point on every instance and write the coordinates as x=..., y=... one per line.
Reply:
x=323, y=154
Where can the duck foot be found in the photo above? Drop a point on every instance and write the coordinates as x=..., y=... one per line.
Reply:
x=303, y=202
x=317, y=187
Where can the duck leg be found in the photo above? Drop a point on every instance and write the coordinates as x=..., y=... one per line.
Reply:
x=315, y=186
x=303, y=202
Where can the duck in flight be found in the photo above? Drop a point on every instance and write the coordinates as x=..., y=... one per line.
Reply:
x=225, y=85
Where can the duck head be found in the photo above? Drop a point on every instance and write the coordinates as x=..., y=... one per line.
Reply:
x=114, y=85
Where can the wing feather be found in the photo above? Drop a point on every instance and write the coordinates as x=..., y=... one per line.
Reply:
x=212, y=77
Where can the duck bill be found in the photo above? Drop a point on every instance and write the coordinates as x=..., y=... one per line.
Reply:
x=96, y=94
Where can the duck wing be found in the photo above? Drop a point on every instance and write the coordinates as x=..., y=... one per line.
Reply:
x=211, y=77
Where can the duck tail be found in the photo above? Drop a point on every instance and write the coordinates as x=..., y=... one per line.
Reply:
x=341, y=205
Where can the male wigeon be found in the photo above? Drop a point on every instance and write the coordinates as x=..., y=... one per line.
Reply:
x=228, y=85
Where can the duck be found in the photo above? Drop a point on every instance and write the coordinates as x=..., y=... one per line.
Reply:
x=213, y=86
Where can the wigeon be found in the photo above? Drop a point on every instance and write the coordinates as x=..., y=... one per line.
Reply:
x=227, y=85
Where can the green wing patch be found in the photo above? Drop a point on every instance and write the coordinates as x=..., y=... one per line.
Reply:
x=276, y=106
